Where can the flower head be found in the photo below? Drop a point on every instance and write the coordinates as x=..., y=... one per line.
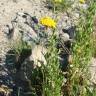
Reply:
x=58, y=1
x=82, y=1
x=48, y=22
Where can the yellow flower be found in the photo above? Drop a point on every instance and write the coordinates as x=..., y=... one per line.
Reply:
x=57, y=1
x=48, y=22
x=79, y=50
x=82, y=1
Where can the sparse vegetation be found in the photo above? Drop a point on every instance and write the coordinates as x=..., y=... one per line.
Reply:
x=50, y=79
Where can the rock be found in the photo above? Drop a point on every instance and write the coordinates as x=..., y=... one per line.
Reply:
x=9, y=29
x=37, y=56
x=92, y=69
x=70, y=31
x=64, y=37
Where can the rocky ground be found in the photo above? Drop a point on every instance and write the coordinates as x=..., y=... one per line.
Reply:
x=8, y=11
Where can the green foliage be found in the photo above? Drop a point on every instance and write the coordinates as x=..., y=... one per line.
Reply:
x=60, y=5
x=19, y=46
x=82, y=53
x=52, y=78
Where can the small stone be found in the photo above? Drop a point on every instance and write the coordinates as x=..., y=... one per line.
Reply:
x=65, y=37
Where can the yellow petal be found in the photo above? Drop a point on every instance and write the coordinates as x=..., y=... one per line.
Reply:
x=48, y=21
x=57, y=1
x=82, y=1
